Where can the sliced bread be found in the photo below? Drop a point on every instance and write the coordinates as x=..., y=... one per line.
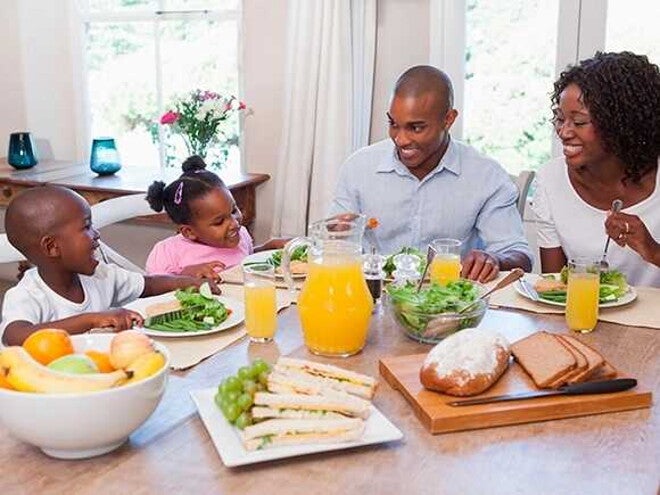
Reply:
x=543, y=357
x=604, y=372
x=594, y=358
x=581, y=364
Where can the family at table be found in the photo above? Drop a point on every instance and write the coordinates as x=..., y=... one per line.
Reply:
x=421, y=185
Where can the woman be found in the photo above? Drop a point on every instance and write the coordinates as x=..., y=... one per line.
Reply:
x=607, y=116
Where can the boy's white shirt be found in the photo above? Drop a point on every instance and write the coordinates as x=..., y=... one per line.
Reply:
x=32, y=300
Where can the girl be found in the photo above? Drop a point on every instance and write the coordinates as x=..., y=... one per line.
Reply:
x=211, y=237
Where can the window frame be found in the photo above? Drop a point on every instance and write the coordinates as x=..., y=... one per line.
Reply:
x=80, y=16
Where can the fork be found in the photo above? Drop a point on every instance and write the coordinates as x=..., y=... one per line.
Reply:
x=604, y=265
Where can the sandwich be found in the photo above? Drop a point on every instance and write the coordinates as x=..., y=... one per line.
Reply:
x=298, y=406
x=290, y=376
x=279, y=432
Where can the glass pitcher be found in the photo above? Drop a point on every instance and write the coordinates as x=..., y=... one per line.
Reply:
x=334, y=304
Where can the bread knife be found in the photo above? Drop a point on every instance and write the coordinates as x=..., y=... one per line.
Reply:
x=599, y=387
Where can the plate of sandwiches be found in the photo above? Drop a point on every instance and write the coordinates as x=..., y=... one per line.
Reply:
x=307, y=408
x=274, y=257
x=535, y=287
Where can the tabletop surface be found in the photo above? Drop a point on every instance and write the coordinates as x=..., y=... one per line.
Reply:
x=617, y=453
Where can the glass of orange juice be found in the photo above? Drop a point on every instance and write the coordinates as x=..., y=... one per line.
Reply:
x=582, y=294
x=446, y=264
x=260, y=302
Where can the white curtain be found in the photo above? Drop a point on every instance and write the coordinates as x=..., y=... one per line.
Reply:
x=328, y=94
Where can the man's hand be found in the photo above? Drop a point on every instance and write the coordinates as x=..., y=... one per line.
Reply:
x=119, y=319
x=480, y=266
x=204, y=270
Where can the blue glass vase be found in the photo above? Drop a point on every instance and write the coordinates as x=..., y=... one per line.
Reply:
x=21, y=152
x=105, y=157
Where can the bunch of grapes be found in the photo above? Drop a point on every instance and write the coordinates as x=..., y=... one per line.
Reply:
x=235, y=394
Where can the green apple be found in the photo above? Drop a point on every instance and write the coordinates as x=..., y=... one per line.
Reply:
x=78, y=364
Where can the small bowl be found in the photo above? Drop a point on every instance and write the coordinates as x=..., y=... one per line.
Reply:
x=81, y=425
x=431, y=328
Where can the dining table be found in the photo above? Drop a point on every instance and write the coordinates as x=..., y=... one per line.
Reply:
x=172, y=453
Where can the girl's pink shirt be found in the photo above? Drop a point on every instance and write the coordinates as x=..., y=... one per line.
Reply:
x=170, y=256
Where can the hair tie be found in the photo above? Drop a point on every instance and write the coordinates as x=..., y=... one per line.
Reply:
x=178, y=195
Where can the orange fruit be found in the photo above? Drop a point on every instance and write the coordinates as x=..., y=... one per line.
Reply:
x=101, y=359
x=48, y=344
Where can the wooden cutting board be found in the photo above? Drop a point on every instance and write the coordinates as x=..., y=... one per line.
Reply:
x=402, y=373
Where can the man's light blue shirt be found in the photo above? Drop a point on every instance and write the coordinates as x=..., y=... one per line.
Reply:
x=467, y=196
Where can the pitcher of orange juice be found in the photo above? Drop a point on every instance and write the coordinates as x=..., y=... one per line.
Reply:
x=334, y=304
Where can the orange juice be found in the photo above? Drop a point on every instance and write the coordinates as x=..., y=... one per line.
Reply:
x=582, y=301
x=335, y=307
x=260, y=311
x=445, y=269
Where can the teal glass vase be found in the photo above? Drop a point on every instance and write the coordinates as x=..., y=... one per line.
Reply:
x=21, y=152
x=104, y=159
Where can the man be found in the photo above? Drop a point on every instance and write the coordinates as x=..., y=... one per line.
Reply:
x=423, y=185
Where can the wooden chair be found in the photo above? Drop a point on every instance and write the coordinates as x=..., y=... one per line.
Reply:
x=523, y=181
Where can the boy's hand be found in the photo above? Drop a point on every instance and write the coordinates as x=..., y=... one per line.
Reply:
x=204, y=270
x=119, y=319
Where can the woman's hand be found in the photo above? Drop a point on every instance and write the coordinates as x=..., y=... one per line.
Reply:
x=205, y=270
x=480, y=266
x=629, y=230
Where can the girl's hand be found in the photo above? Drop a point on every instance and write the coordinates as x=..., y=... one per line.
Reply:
x=205, y=270
x=119, y=319
x=629, y=230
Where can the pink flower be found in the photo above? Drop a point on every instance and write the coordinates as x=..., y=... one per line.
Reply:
x=169, y=117
x=242, y=105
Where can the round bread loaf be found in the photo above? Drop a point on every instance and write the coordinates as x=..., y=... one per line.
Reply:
x=466, y=363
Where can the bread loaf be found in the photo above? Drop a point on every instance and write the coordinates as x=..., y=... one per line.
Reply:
x=465, y=363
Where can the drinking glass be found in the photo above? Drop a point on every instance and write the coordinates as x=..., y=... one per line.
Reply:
x=21, y=152
x=446, y=264
x=260, y=302
x=104, y=159
x=582, y=294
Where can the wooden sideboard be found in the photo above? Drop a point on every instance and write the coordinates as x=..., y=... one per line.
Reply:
x=129, y=180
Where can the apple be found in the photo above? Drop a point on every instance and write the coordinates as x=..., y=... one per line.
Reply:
x=78, y=364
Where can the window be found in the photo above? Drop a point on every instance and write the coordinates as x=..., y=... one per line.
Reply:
x=139, y=54
x=635, y=31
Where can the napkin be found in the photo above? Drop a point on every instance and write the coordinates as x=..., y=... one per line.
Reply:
x=642, y=312
x=186, y=352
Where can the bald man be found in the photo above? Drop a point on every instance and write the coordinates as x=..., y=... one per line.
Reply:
x=422, y=185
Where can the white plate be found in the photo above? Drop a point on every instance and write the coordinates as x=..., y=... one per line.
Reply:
x=237, y=315
x=627, y=298
x=262, y=257
x=228, y=443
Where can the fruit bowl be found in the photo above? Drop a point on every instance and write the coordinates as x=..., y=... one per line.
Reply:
x=430, y=323
x=83, y=424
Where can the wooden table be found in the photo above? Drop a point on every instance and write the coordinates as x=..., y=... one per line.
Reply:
x=172, y=453
x=129, y=180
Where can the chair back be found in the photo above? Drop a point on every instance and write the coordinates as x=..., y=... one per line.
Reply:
x=523, y=181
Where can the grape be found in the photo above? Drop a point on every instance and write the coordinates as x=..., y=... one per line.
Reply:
x=223, y=389
x=249, y=387
x=233, y=383
x=260, y=366
x=263, y=378
x=231, y=396
x=244, y=373
x=231, y=411
x=218, y=399
x=245, y=419
x=245, y=401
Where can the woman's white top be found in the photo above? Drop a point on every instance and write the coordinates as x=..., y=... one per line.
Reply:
x=565, y=220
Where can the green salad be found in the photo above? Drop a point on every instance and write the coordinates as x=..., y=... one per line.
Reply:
x=415, y=310
x=275, y=259
x=389, y=267
x=613, y=285
x=200, y=311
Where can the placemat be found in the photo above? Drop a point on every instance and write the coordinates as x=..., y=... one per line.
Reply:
x=642, y=312
x=186, y=352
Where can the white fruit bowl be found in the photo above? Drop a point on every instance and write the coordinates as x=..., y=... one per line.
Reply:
x=81, y=425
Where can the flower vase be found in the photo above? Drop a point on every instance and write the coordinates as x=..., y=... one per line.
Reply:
x=104, y=159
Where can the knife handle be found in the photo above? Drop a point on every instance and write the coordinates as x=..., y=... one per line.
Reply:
x=600, y=387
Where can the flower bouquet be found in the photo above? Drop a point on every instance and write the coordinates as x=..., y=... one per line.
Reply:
x=198, y=118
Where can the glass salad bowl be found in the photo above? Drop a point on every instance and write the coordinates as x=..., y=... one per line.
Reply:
x=430, y=315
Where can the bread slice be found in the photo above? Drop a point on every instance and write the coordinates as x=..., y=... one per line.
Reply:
x=543, y=357
x=604, y=372
x=594, y=358
x=581, y=363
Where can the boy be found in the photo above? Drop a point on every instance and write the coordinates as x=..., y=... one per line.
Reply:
x=69, y=288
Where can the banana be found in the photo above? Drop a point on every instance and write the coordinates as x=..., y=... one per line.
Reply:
x=27, y=375
x=145, y=366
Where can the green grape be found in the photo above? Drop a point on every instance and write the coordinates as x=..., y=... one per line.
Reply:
x=263, y=378
x=218, y=400
x=222, y=388
x=249, y=387
x=244, y=373
x=233, y=383
x=231, y=411
x=232, y=396
x=243, y=420
x=245, y=401
x=260, y=366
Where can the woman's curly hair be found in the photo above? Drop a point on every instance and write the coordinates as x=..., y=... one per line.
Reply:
x=622, y=94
